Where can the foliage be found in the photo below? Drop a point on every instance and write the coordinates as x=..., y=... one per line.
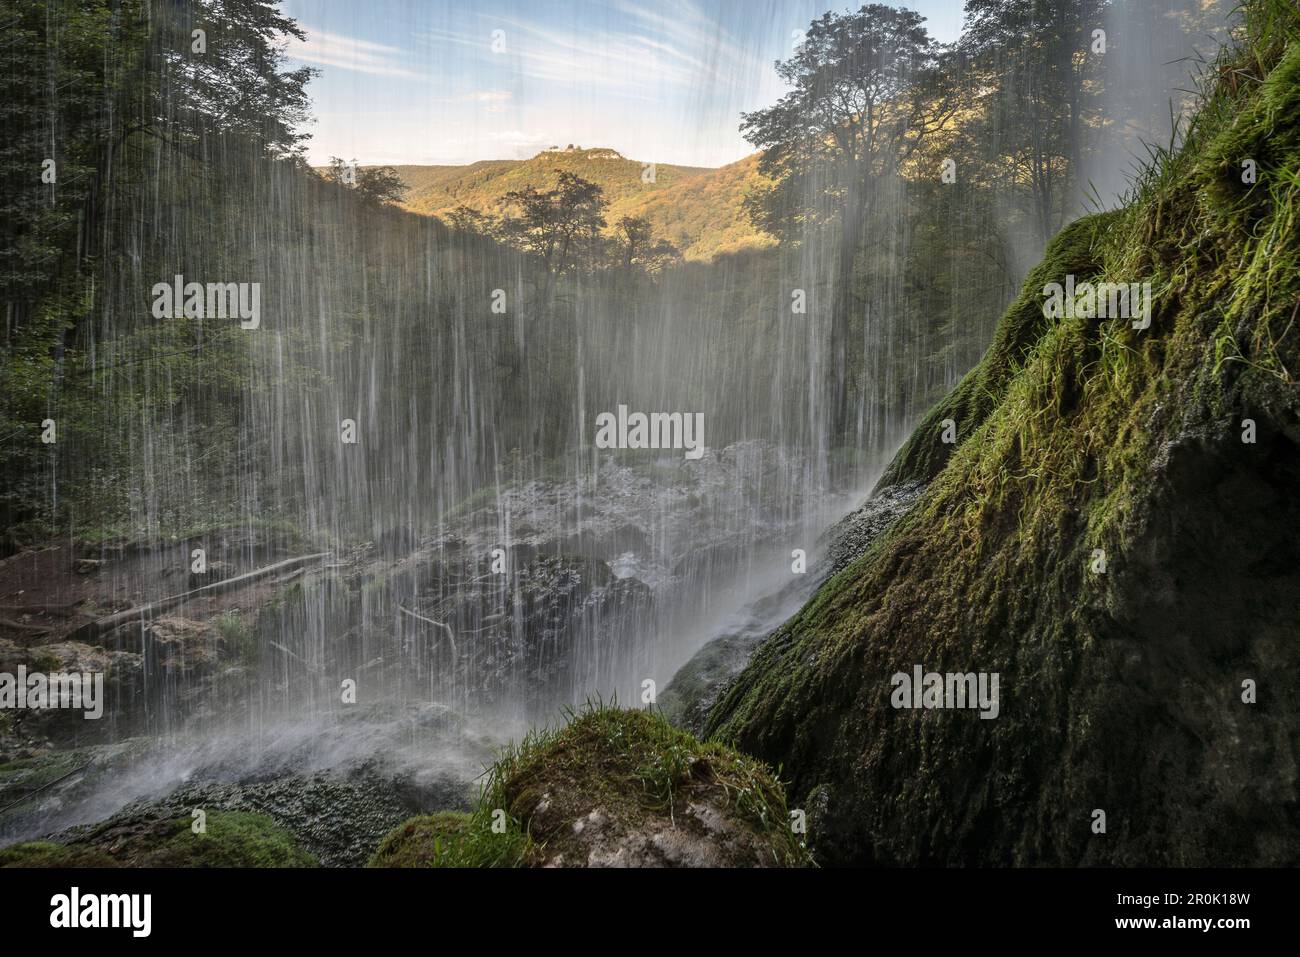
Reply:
x=858, y=109
x=107, y=88
x=377, y=184
x=1041, y=89
x=557, y=225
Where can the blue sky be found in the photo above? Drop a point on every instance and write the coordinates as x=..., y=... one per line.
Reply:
x=418, y=81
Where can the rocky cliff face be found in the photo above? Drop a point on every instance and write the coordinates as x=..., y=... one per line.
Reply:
x=1110, y=530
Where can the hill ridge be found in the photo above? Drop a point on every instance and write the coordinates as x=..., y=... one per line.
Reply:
x=698, y=209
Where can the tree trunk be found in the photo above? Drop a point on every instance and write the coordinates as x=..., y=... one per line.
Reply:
x=104, y=625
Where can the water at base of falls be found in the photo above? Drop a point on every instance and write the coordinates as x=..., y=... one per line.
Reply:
x=603, y=589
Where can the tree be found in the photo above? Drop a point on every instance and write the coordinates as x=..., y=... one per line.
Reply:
x=105, y=101
x=239, y=84
x=1042, y=85
x=375, y=184
x=464, y=219
x=660, y=256
x=862, y=102
x=381, y=185
x=636, y=248
x=558, y=225
x=632, y=235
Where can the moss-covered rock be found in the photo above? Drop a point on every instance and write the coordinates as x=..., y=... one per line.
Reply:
x=1103, y=537
x=613, y=788
x=425, y=841
x=1076, y=250
x=230, y=839
x=49, y=854
x=686, y=701
x=697, y=685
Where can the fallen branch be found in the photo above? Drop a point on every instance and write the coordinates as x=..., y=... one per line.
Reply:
x=429, y=621
x=297, y=657
x=479, y=631
x=296, y=573
x=42, y=787
x=63, y=611
x=102, y=625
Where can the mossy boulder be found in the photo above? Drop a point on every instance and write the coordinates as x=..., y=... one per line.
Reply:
x=613, y=788
x=122, y=682
x=156, y=839
x=428, y=840
x=1114, y=535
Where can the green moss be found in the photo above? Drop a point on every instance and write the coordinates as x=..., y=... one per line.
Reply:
x=1074, y=251
x=632, y=765
x=47, y=854
x=231, y=839
x=240, y=638
x=428, y=840
x=46, y=661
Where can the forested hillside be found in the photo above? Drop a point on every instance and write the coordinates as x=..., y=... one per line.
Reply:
x=183, y=168
x=700, y=211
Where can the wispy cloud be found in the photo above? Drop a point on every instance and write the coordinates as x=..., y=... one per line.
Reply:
x=663, y=81
x=679, y=49
x=349, y=53
x=684, y=26
x=495, y=101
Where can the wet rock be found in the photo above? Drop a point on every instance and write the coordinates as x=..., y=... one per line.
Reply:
x=1127, y=564
x=338, y=818
x=524, y=638
x=121, y=682
x=337, y=786
x=41, y=784
x=850, y=537
x=695, y=688
x=181, y=648
x=698, y=684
